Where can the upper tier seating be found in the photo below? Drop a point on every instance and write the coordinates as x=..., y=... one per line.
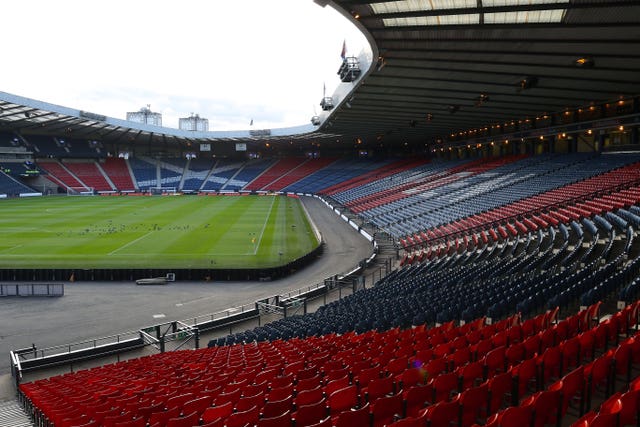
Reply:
x=46, y=146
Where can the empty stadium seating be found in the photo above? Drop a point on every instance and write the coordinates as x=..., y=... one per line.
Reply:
x=325, y=378
x=118, y=172
x=507, y=249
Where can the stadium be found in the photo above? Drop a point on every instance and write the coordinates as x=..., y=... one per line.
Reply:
x=451, y=241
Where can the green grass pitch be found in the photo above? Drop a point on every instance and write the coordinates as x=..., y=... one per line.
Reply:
x=153, y=232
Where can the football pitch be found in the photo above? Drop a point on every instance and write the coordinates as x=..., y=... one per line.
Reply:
x=86, y=232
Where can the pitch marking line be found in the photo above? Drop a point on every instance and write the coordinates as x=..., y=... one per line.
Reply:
x=11, y=248
x=264, y=226
x=130, y=243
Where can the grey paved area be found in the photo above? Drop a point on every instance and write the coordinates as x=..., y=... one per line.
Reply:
x=95, y=309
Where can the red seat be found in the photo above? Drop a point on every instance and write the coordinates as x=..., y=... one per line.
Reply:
x=443, y=414
x=232, y=397
x=309, y=397
x=307, y=415
x=471, y=374
x=197, y=405
x=546, y=407
x=608, y=415
x=417, y=398
x=630, y=411
x=241, y=419
x=514, y=416
x=280, y=392
x=495, y=361
x=622, y=362
x=187, y=421
x=474, y=405
x=572, y=387
x=274, y=408
x=411, y=377
x=500, y=391
x=525, y=375
x=550, y=365
x=336, y=384
x=408, y=422
x=343, y=400
x=570, y=353
x=357, y=417
x=598, y=375
x=245, y=403
x=217, y=412
x=160, y=418
x=322, y=423
x=365, y=376
x=378, y=388
x=282, y=420
x=444, y=385
x=384, y=410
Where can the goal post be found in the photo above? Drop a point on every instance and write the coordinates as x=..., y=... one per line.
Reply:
x=159, y=191
x=80, y=191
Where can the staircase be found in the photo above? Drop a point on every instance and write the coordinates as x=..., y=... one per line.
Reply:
x=12, y=415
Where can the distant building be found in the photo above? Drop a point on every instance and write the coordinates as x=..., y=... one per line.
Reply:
x=146, y=116
x=194, y=123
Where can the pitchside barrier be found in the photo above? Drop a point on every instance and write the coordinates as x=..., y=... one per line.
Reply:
x=32, y=290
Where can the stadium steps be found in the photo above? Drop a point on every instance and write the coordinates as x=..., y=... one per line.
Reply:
x=206, y=178
x=12, y=415
x=224, y=186
x=105, y=176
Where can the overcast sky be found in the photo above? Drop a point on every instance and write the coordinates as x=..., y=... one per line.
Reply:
x=229, y=61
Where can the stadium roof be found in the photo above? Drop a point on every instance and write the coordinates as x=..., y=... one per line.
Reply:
x=440, y=67
x=447, y=66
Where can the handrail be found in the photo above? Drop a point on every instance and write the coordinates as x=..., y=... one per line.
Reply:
x=226, y=313
x=35, y=353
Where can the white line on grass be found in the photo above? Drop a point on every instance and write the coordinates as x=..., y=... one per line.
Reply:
x=130, y=243
x=11, y=248
x=264, y=226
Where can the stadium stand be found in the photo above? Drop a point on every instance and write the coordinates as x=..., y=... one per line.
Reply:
x=247, y=173
x=171, y=172
x=338, y=171
x=196, y=172
x=505, y=248
x=308, y=167
x=11, y=187
x=119, y=174
x=274, y=173
x=223, y=176
x=519, y=363
x=145, y=172
x=47, y=146
x=90, y=174
x=60, y=175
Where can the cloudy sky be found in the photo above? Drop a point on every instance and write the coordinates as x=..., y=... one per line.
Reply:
x=229, y=61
